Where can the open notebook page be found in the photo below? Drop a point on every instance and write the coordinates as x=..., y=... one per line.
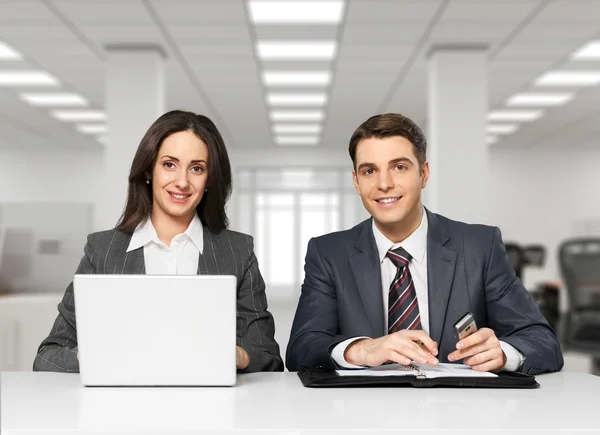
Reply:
x=442, y=370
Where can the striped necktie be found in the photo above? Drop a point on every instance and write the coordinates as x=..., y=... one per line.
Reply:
x=403, y=307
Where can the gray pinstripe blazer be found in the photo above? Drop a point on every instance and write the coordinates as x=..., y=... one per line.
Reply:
x=225, y=253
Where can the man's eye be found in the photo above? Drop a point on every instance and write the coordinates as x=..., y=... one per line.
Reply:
x=368, y=171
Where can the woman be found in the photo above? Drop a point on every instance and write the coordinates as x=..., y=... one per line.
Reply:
x=175, y=223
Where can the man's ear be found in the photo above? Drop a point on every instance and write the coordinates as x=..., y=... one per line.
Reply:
x=424, y=174
x=355, y=180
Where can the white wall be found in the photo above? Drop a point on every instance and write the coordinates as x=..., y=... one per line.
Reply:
x=49, y=176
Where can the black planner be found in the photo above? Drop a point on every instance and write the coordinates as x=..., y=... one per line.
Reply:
x=319, y=378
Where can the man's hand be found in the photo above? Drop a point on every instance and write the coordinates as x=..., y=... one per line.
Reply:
x=400, y=347
x=242, y=359
x=480, y=350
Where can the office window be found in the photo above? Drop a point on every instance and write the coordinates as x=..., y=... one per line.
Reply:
x=284, y=208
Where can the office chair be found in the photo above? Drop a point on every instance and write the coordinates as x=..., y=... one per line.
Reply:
x=534, y=255
x=516, y=257
x=580, y=269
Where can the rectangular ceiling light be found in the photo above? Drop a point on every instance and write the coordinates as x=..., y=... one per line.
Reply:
x=79, y=115
x=296, y=128
x=296, y=78
x=502, y=128
x=589, y=51
x=297, y=115
x=91, y=128
x=540, y=99
x=293, y=50
x=27, y=78
x=9, y=53
x=308, y=99
x=569, y=78
x=297, y=140
x=53, y=99
x=514, y=115
x=296, y=12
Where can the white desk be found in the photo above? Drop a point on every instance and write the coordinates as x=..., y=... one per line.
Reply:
x=51, y=403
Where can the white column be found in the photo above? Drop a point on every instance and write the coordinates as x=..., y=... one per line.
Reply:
x=134, y=98
x=459, y=185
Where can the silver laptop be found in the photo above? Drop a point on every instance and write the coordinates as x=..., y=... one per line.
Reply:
x=156, y=330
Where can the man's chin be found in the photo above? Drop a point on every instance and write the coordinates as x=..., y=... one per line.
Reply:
x=389, y=221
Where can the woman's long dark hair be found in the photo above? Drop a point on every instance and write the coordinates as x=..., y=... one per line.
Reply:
x=211, y=209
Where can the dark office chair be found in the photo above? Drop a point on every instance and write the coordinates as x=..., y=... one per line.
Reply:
x=580, y=269
x=516, y=257
x=534, y=255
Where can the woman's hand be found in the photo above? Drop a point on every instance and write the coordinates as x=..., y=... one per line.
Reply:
x=241, y=358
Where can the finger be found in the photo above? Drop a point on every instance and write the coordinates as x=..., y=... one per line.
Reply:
x=412, y=350
x=489, y=366
x=397, y=358
x=484, y=357
x=422, y=337
x=470, y=351
x=475, y=338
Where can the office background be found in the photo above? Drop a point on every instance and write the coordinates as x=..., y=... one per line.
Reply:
x=292, y=172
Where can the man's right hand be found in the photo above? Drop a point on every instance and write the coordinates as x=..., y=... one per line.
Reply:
x=399, y=347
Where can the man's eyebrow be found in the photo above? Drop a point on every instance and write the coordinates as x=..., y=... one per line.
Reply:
x=401, y=160
x=366, y=165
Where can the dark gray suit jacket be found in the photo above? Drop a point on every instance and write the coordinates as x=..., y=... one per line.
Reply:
x=467, y=270
x=224, y=253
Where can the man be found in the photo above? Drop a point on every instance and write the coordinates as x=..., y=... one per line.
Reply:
x=392, y=287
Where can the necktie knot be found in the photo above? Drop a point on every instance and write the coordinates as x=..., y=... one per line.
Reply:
x=399, y=257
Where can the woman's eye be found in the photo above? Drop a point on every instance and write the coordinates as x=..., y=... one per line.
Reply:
x=198, y=169
x=168, y=165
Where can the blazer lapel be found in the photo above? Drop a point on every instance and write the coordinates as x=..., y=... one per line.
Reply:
x=135, y=263
x=208, y=260
x=441, y=262
x=367, y=275
x=128, y=263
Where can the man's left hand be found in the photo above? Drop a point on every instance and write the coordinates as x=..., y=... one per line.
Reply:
x=480, y=350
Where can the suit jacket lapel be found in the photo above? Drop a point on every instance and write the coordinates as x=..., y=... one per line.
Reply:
x=136, y=264
x=441, y=262
x=128, y=263
x=208, y=260
x=367, y=275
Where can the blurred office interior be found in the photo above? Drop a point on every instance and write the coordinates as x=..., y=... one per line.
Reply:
x=506, y=91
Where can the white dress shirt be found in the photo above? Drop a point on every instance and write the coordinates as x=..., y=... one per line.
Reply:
x=416, y=245
x=181, y=258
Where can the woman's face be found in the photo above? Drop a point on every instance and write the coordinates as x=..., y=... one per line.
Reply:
x=179, y=176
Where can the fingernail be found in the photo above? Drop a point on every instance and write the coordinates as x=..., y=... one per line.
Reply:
x=435, y=351
x=451, y=357
x=423, y=359
x=433, y=361
x=460, y=345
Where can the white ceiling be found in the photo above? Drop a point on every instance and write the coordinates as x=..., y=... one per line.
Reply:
x=381, y=64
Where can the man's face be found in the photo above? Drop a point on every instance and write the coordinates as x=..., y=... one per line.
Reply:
x=389, y=181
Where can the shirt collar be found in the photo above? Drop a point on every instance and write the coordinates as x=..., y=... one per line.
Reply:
x=145, y=233
x=196, y=233
x=415, y=244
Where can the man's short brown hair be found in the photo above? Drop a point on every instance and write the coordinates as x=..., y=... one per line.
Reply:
x=388, y=125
